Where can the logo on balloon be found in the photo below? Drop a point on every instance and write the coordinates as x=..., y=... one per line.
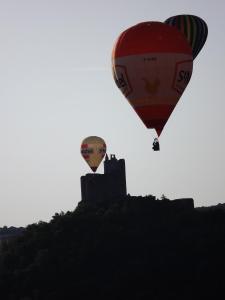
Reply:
x=151, y=87
x=183, y=71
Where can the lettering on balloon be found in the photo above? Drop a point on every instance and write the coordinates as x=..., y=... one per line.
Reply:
x=87, y=151
x=182, y=75
x=121, y=80
x=102, y=151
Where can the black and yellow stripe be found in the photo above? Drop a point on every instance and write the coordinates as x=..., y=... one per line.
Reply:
x=194, y=28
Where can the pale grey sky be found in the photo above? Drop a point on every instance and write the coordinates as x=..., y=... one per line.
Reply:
x=56, y=88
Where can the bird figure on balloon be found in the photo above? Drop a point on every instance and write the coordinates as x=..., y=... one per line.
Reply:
x=151, y=87
x=155, y=60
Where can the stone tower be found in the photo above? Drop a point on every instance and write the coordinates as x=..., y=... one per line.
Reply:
x=111, y=184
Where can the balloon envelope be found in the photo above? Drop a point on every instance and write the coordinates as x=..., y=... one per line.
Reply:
x=194, y=28
x=93, y=149
x=151, y=65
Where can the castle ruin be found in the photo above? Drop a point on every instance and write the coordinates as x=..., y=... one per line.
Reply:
x=110, y=185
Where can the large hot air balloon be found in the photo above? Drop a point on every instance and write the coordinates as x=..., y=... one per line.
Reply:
x=93, y=149
x=194, y=28
x=152, y=65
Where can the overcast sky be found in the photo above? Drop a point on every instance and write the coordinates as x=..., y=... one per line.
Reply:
x=56, y=88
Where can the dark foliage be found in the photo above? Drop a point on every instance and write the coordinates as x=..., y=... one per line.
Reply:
x=133, y=248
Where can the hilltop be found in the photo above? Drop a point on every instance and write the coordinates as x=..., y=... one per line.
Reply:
x=126, y=248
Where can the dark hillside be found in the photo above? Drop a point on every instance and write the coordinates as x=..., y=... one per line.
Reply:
x=133, y=248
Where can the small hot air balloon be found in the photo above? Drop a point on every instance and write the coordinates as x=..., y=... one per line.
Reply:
x=152, y=65
x=93, y=149
x=194, y=28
